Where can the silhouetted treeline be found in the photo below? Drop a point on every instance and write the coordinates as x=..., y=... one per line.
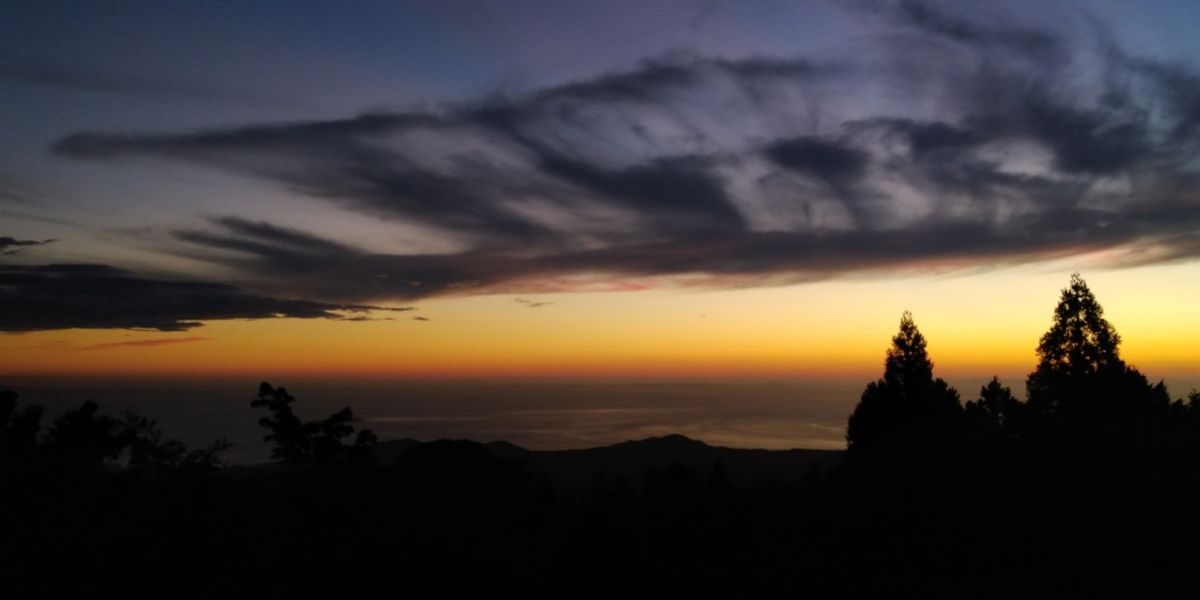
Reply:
x=1089, y=487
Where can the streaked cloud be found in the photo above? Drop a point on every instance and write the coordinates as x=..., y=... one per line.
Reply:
x=531, y=303
x=11, y=246
x=97, y=296
x=946, y=138
x=147, y=343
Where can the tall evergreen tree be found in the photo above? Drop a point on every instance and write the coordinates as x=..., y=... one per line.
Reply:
x=1080, y=369
x=908, y=406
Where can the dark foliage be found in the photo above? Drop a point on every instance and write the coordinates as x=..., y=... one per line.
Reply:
x=1080, y=373
x=298, y=442
x=908, y=407
x=1088, y=489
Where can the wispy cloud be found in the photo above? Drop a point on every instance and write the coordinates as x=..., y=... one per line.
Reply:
x=11, y=246
x=99, y=296
x=148, y=343
x=952, y=137
x=531, y=303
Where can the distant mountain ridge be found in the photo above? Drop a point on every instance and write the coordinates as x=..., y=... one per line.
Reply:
x=629, y=460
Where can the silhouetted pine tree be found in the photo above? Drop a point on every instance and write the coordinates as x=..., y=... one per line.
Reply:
x=1080, y=370
x=908, y=407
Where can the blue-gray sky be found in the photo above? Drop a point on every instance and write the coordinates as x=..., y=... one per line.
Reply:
x=309, y=157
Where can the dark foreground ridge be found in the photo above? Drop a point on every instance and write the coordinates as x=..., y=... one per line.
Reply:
x=1090, y=487
x=630, y=461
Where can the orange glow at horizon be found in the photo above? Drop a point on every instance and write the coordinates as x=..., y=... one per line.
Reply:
x=980, y=323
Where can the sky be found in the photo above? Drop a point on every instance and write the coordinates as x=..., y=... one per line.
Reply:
x=629, y=190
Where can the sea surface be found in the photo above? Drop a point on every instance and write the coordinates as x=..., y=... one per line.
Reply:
x=536, y=414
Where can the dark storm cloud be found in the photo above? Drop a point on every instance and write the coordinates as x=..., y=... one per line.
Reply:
x=951, y=139
x=10, y=246
x=98, y=296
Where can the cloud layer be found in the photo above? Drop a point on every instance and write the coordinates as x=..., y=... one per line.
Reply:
x=94, y=296
x=11, y=246
x=944, y=139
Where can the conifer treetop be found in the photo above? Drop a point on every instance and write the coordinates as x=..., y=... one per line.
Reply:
x=1080, y=341
x=907, y=364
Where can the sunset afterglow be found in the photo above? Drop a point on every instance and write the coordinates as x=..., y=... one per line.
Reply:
x=446, y=199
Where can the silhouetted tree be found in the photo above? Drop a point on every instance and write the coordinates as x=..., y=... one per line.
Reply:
x=1188, y=413
x=299, y=441
x=148, y=448
x=19, y=428
x=287, y=431
x=996, y=406
x=908, y=406
x=1080, y=370
x=83, y=436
